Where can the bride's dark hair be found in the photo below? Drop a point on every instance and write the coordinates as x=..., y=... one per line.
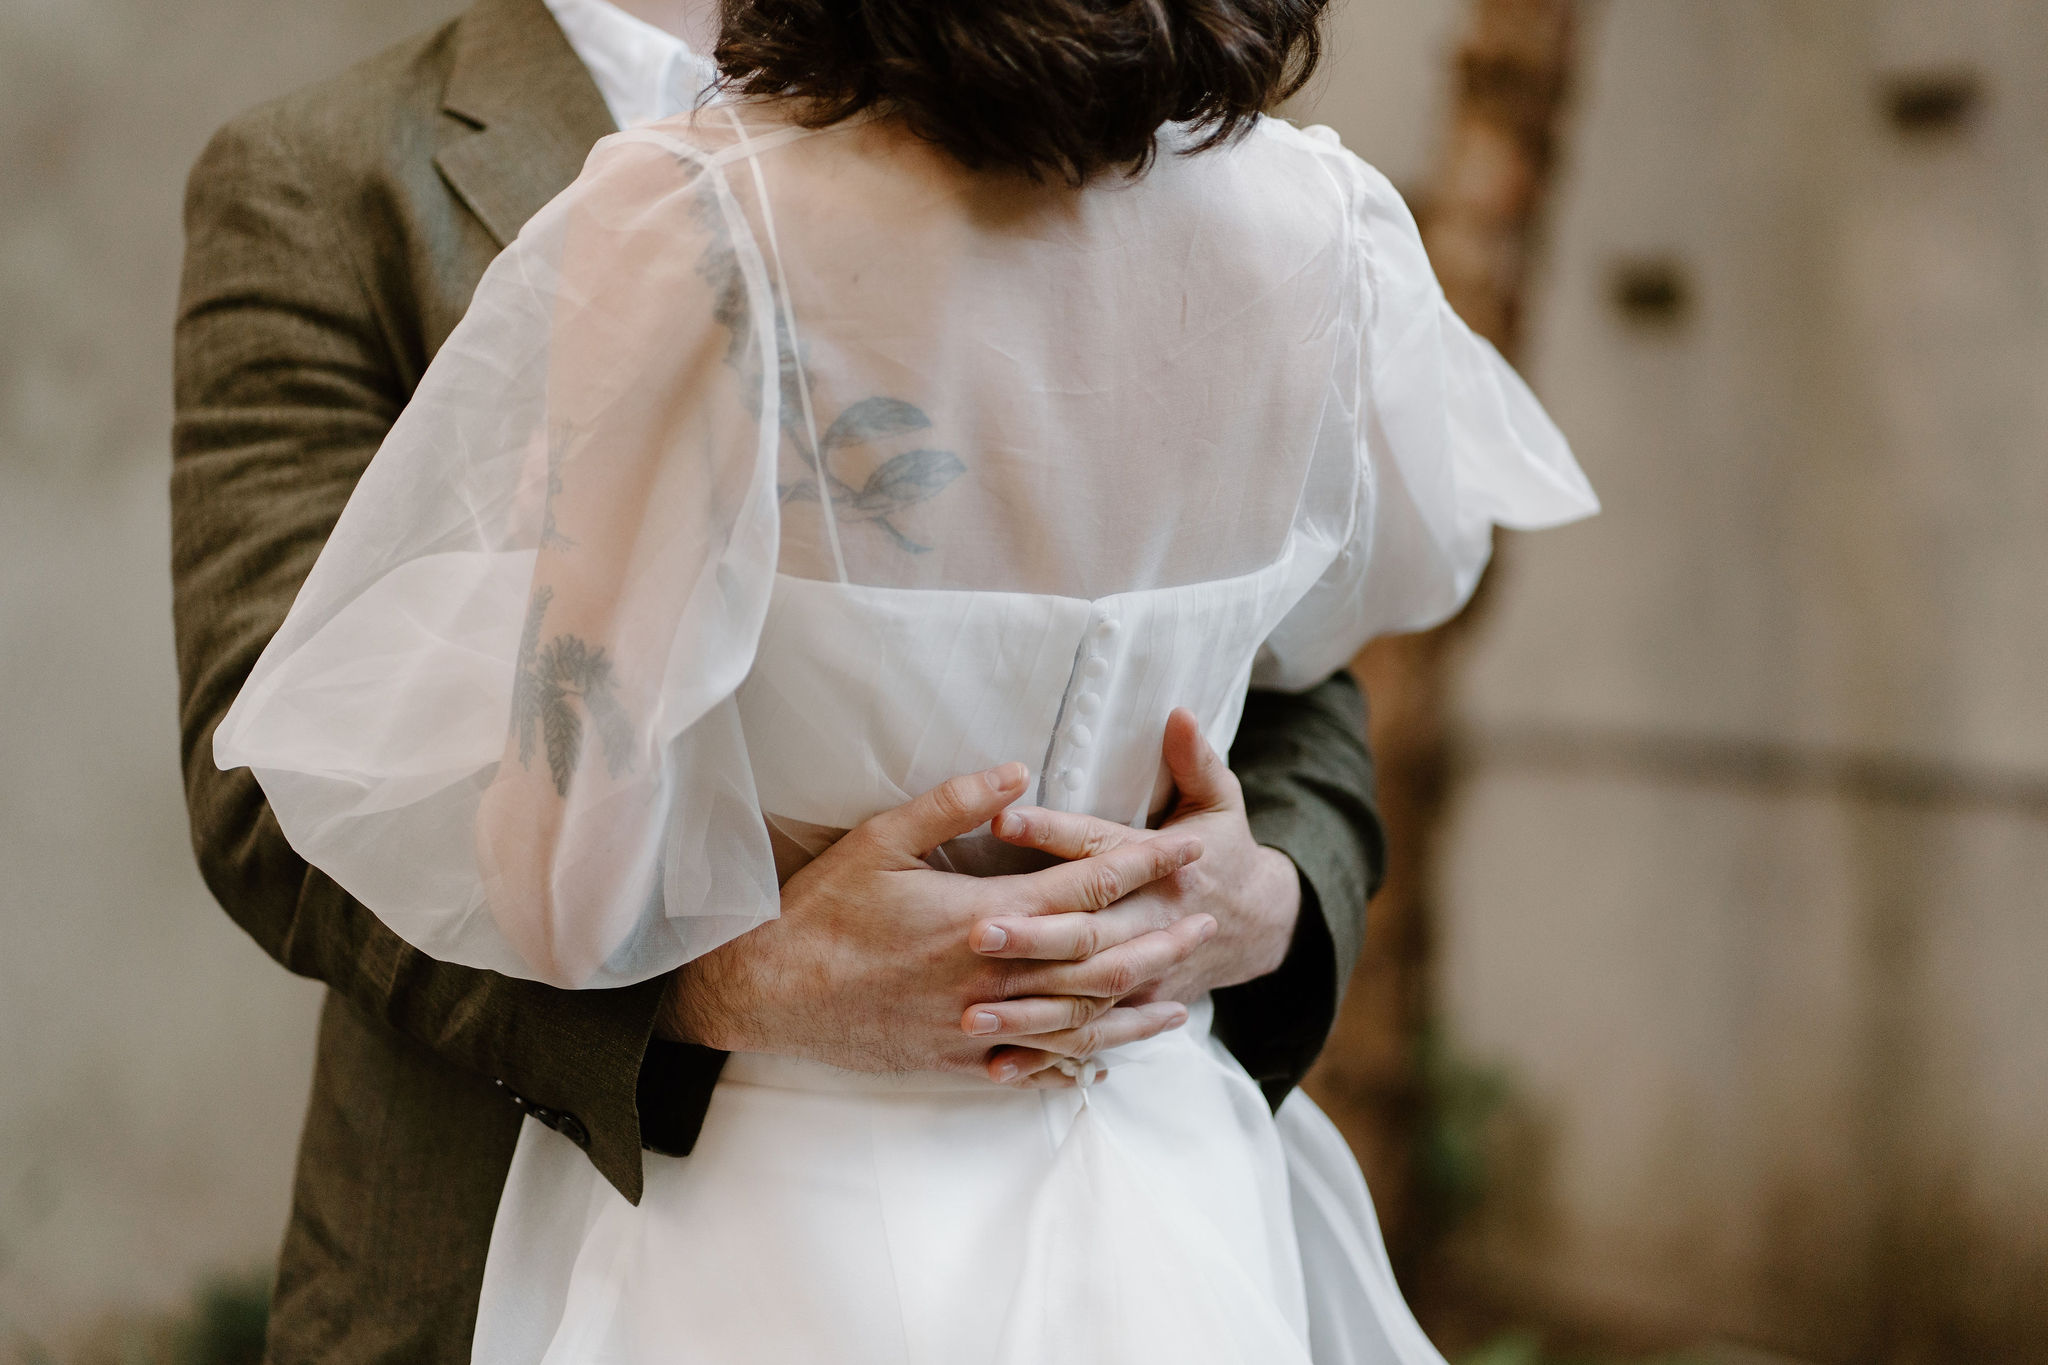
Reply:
x=1052, y=88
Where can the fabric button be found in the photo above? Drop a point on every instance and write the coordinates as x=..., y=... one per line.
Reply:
x=1106, y=628
x=1080, y=736
x=1088, y=703
x=1070, y=778
x=1095, y=667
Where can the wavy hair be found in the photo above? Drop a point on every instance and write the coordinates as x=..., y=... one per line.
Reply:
x=1064, y=89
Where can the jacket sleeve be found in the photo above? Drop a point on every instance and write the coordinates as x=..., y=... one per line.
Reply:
x=1308, y=786
x=286, y=383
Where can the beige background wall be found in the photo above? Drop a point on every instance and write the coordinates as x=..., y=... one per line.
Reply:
x=1748, y=891
x=1744, y=889
x=152, y=1060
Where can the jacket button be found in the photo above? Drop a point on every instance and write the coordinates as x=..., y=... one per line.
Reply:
x=572, y=1128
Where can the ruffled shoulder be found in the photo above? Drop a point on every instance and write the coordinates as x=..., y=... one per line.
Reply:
x=1450, y=443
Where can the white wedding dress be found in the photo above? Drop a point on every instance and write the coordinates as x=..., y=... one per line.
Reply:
x=775, y=476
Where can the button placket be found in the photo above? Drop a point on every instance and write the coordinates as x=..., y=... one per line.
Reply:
x=1079, y=733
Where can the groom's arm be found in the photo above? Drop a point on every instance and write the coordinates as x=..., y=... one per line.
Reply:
x=1307, y=777
x=286, y=385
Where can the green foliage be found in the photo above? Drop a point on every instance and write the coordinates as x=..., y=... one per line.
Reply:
x=226, y=1324
x=1509, y=1348
x=1460, y=1100
x=1525, y=1347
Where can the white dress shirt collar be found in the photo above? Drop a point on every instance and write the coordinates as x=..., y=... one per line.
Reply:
x=644, y=73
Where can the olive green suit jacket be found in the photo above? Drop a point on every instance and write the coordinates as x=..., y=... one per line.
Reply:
x=333, y=240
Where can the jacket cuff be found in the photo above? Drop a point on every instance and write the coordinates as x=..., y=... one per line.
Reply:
x=1275, y=1025
x=674, y=1090
x=573, y=1060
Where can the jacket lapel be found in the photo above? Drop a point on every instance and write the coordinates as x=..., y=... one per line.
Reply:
x=526, y=112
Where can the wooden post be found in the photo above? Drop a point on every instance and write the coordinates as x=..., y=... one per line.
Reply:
x=1479, y=221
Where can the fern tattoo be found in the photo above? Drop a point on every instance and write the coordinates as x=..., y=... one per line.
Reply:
x=546, y=680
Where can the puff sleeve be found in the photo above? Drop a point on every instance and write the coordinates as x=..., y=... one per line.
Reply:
x=1450, y=443
x=500, y=712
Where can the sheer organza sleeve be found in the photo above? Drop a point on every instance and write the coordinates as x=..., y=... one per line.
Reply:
x=501, y=710
x=1450, y=443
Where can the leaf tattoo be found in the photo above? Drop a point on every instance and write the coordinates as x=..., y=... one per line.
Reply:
x=545, y=680
x=873, y=418
x=899, y=483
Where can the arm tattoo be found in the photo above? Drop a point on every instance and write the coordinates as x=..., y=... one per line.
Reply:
x=547, y=678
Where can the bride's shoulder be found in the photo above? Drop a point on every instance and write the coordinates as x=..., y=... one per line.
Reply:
x=1314, y=148
x=1291, y=182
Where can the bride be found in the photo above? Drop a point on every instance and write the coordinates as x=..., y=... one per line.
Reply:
x=971, y=385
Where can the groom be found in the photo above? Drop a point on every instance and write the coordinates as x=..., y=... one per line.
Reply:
x=334, y=239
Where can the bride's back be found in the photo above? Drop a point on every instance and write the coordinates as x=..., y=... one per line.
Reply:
x=1081, y=392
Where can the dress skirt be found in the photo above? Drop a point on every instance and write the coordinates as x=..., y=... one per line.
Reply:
x=1160, y=1214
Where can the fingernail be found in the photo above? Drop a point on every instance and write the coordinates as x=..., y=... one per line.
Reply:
x=1010, y=825
x=1006, y=1071
x=1003, y=778
x=1208, y=931
x=981, y=1021
x=991, y=939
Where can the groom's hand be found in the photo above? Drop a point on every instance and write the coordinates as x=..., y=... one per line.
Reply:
x=1253, y=893
x=870, y=965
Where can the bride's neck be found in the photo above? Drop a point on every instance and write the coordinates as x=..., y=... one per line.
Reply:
x=694, y=21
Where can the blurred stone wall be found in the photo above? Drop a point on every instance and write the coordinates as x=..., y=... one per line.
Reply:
x=1747, y=891
x=153, y=1061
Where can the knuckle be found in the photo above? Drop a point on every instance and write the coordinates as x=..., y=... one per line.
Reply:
x=1098, y=841
x=1088, y=939
x=1102, y=886
x=949, y=799
x=867, y=838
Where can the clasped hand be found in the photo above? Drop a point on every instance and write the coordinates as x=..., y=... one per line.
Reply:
x=880, y=962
